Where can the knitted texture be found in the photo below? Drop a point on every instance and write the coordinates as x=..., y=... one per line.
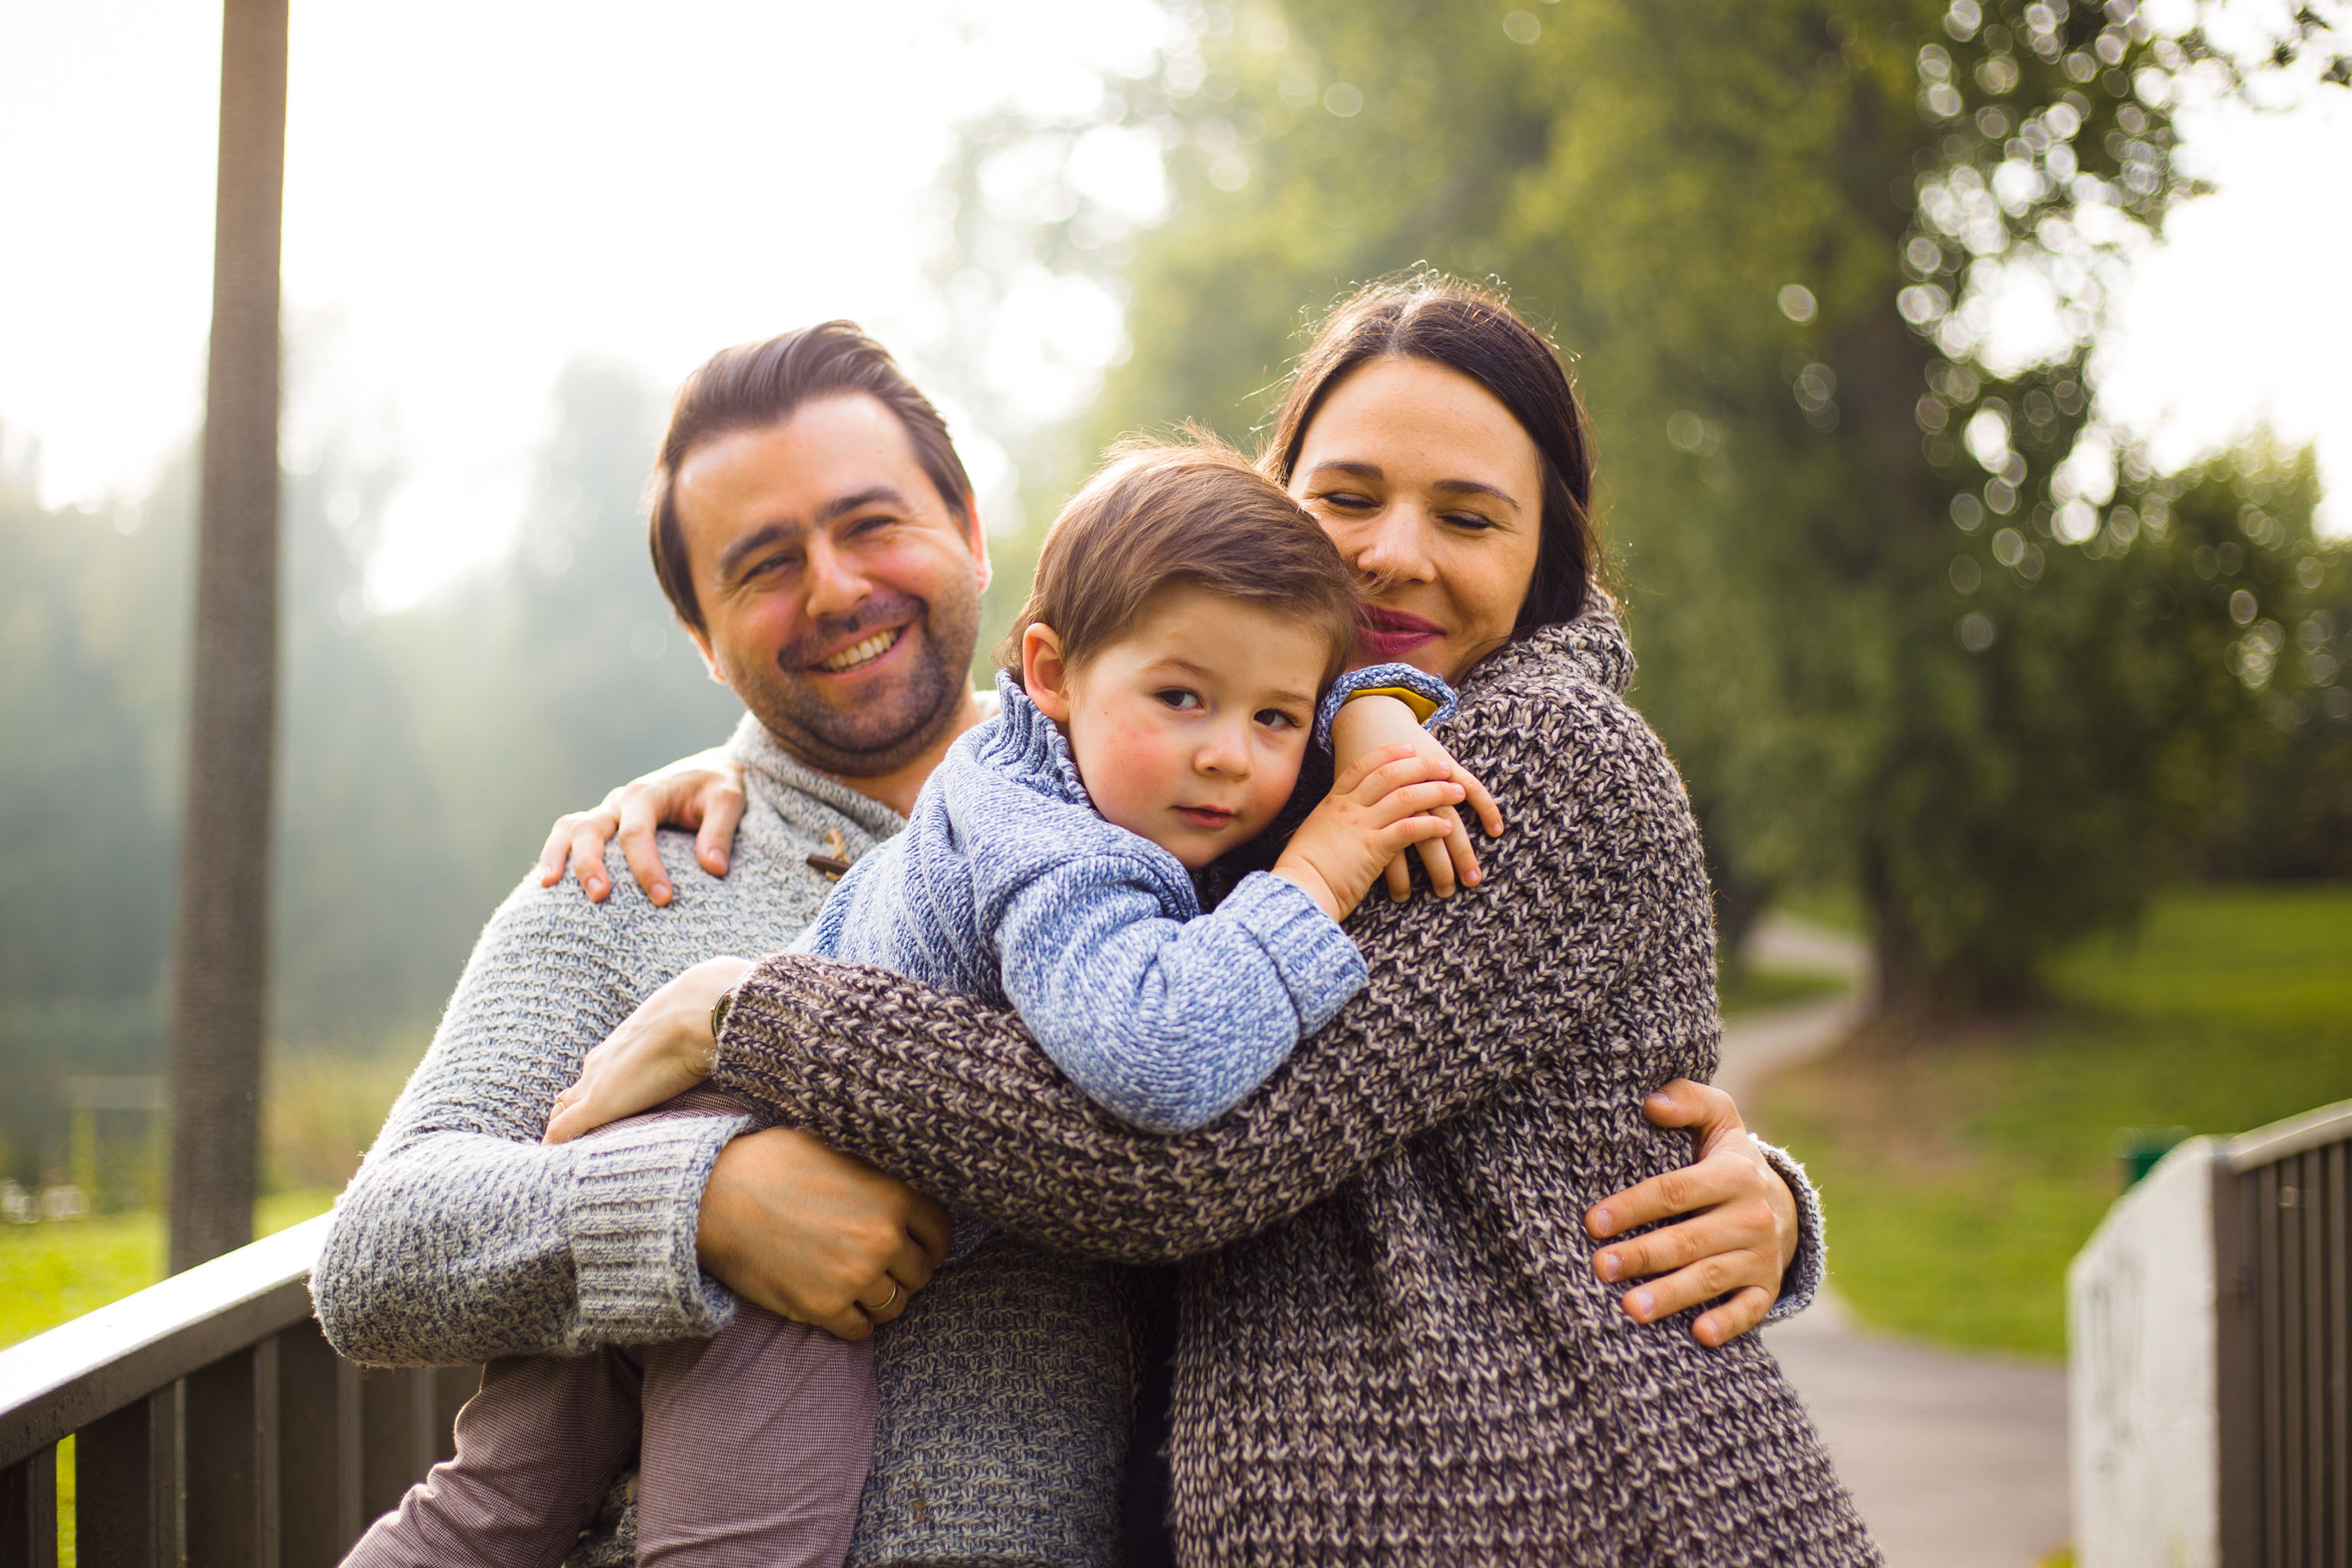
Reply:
x=1006, y=887
x=1393, y=1347
x=1004, y=1392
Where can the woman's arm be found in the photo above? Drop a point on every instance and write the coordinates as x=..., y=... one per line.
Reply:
x=1466, y=997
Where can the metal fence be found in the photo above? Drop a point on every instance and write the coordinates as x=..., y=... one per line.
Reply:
x=2282, y=1240
x=212, y=1425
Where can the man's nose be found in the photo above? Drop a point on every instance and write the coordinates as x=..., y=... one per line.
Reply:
x=835, y=587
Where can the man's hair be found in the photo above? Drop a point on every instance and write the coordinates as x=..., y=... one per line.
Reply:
x=756, y=384
x=1186, y=513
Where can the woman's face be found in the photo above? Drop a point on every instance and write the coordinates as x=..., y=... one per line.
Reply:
x=1434, y=493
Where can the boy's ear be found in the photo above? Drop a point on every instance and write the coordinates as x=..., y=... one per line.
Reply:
x=1044, y=672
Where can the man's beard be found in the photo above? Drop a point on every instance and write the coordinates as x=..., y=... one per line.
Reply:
x=895, y=718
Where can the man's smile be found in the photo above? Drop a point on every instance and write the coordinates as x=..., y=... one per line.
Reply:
x=860, y=654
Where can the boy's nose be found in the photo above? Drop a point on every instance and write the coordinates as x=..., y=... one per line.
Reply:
x=1226, y=753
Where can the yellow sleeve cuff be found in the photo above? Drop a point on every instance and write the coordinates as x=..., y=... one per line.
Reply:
x=1422, y=706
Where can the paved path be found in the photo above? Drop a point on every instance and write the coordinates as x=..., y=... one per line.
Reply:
x=1958, y=1460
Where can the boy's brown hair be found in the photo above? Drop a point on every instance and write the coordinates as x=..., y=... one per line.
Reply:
x=1185, y=513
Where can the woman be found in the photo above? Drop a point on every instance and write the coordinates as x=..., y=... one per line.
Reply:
x=1395, y=1342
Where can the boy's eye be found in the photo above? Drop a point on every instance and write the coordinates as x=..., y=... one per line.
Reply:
x=1275, y=719
x=1178, y=697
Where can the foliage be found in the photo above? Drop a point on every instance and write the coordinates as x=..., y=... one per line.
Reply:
x=422, y=754
x=1960, y=1181
x=1901, y=619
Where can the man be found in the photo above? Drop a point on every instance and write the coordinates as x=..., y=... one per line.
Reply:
x=817, y=533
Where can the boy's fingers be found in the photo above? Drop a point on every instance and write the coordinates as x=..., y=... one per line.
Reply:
x=1398, y=876
x=1437, y=856
x=1423, y=799
x=1365, y=766
x=1490, y=815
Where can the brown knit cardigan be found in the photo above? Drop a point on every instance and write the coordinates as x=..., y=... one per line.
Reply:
x=1392, y=1345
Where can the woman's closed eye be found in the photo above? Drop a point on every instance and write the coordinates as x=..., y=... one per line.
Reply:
x=1345, y=500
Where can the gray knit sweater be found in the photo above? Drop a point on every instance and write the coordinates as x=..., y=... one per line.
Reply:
x=463, y=1238
x=1394, y=1347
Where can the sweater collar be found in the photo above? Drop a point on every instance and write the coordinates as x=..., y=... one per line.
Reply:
x=1594, y=645
x=770, y=769
x=1022, y=741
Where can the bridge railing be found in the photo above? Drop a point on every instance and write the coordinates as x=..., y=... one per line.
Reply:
x=211, y=1424
x=2209, y=1356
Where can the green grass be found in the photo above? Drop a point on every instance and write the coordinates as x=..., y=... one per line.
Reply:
x=1746, y=987
x=60, y=1269
x=1962, y=1172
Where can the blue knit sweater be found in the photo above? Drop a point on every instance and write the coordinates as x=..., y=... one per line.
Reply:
x=1008, y=888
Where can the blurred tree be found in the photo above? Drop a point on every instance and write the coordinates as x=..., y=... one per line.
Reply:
x=1892, y=622
x=423, y=753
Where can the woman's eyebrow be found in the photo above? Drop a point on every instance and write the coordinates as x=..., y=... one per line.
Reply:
x=1475, y=487
x=1360, y=471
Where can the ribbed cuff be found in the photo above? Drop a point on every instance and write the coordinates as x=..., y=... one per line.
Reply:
x=637, y=1197
x=1802, y=1281
x=1377, y=675
x=1318, y=963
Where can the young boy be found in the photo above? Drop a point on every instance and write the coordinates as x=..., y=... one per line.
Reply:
x=1181, y=649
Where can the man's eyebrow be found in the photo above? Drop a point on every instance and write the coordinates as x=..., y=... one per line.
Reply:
x=759, y=539
x=752, y=543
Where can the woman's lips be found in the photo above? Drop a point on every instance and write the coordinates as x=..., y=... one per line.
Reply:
x=1383, y=634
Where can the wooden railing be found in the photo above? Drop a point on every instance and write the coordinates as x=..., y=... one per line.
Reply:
x=2282, y=1230
x=212, y=1425
x=2209, y=1357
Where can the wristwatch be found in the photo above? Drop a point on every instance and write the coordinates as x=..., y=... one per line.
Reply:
x=719, y=1011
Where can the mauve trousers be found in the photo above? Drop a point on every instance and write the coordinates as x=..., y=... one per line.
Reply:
x=751, y=1448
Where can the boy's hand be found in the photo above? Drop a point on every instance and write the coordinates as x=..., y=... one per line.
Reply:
x=1368, y=724
x=1380, y=807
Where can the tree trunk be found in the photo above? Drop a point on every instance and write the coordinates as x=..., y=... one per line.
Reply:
x=220, y=952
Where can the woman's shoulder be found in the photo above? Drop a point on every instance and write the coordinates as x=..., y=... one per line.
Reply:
x=1554, y=698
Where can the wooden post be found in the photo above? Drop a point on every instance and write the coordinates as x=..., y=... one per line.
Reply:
x=220, y=952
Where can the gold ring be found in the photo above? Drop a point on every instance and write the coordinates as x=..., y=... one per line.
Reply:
x=892, y=1302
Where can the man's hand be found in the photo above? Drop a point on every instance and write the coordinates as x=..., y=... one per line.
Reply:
x=659, y=1052
x=704, y=791
x=816, y=1236
x=1738, y=1239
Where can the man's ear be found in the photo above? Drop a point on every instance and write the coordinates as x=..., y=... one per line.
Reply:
x=710, y=659
x=976, y=537
x=1044, y=672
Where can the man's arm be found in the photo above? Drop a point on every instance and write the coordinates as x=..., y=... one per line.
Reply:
x=463, y=1238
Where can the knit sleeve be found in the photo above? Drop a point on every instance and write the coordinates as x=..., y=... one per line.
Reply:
x=1431, y=700
x=1467, y=996
x=464, y=1238
x=1168, y=1023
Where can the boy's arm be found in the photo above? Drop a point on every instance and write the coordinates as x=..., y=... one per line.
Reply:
x=1168, y=1023
x=463, y=1238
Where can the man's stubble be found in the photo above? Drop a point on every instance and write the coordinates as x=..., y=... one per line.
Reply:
x=896, y=720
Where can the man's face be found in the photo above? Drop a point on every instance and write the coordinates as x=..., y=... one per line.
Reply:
x=840, y=595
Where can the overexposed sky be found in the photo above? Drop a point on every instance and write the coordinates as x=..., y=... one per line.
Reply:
x=478, y=192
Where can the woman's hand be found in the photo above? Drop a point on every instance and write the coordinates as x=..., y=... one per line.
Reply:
x=703, y=791
x=1738, y=1236
x=816, y=1236
x=1366, y=724
x=659, y=1052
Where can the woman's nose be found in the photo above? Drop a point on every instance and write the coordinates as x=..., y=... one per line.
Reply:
x=1394, y=545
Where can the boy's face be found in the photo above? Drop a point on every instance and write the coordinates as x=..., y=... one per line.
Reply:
x=1190, y=729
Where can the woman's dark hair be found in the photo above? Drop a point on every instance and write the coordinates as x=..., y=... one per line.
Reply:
x=755, y=384
x=1189, y=513
x=1429, y=316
